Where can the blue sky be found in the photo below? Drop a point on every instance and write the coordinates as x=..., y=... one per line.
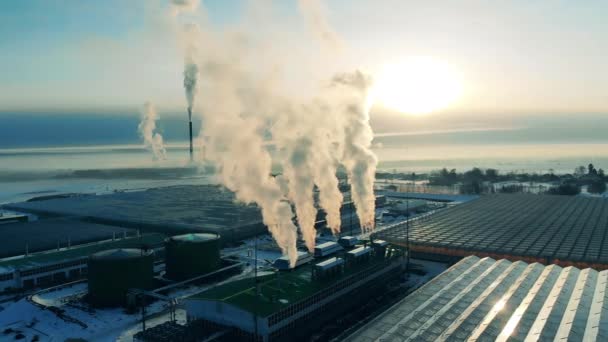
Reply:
x=106, y=55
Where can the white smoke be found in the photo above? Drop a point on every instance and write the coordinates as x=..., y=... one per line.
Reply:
x=242, y=110
x=147, y=126
x=183, y=6
x=358, y=159
x=315, y=14
x=303, y=135
x=190, y=79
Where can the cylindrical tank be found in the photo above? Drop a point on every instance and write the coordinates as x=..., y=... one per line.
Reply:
x=190, y=255
x=113, y=272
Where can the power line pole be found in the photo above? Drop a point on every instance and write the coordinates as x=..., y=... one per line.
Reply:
x=407, y=239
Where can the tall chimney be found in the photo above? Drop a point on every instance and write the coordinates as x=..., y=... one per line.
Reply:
x=190, y=125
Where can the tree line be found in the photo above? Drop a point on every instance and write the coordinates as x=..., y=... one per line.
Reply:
x=476, y=180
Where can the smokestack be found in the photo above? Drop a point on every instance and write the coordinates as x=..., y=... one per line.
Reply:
x=190, y=125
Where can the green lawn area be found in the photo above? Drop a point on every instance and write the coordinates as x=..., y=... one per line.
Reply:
x=276, y=291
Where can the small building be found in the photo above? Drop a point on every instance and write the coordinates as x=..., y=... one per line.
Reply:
x=327, y=249
x=282, y=263
x=328, y=268
x=348, y=241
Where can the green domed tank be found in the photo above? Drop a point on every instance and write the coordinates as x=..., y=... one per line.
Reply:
x=113, y=272
x=190, y=255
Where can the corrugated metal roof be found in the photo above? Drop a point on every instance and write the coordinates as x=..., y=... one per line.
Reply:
x=487, y=300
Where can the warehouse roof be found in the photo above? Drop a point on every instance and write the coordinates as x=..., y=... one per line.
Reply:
x=487, y=300
x=170, y=209
x=555, y=228
x=47, y=234
x=45, y=258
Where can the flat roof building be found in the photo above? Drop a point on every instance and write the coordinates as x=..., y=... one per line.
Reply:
x=488, y=300
x=52, y=267
x=52, y=233
x=168, y=210
x=548, y=229
x=288, y=305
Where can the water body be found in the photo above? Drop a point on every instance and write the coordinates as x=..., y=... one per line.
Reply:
x=40, y=153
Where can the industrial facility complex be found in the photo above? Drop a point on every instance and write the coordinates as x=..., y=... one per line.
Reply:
x=560, y=230
x=285, y=305
x=487, y=300
x=192, y=248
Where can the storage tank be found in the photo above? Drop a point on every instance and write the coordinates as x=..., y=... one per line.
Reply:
x=113, y=272
x=190, y=255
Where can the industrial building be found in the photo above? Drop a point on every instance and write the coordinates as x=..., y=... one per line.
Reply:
x=113, y=272
x=289, y=304
x=169, y=210
x=47, y=268
x=560, y=230
x=189, y=255
x=487, y=300
x=52, y=233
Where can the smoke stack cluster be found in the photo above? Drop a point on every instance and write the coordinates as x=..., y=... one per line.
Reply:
x=244, y=112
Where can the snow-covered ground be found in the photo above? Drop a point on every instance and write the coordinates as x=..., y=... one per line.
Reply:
x=102, y=324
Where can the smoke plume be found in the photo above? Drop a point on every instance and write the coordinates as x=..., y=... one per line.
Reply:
x=190, y=76
x=183, y=6
x=358, y=159
x=147, y=126
x=245, y=111
x=303, y=135
x=315, y=14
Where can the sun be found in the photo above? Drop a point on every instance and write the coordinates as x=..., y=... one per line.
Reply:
x=417, y=86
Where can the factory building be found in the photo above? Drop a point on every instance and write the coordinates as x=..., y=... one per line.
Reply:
x=189, y=255
x=481, y=299
x=562, y=230
x=113, y=272
x=289, y=304
x=52, y=267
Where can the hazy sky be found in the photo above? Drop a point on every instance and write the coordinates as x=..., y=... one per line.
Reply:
x=515, y=55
